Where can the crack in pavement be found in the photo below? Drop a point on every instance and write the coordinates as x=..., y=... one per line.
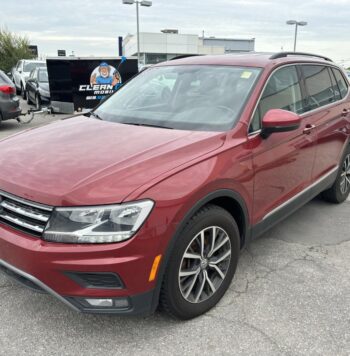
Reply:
x=263, y=333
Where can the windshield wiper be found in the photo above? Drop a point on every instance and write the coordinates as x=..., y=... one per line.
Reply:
x=92, y=113
x=147, y=125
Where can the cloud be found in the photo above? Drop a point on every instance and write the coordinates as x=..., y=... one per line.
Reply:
x=90, y=27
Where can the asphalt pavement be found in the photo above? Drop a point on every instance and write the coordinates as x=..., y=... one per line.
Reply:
x=290, y=296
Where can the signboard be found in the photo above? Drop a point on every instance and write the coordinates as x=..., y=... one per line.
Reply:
x=61, y=52
x=34, y=50
x=79, y=83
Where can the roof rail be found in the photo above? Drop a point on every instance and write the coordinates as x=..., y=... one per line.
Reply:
x=285, y=54
x=184, y=56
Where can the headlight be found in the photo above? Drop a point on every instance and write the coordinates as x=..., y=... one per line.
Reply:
x=100, y=224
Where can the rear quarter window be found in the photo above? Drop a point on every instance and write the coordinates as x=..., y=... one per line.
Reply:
x=341, y=82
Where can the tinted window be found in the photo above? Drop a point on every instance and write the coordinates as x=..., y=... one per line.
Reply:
x=335, y=87
x=318, y=85
x=342, y=85
x=4, y=79
x=282, y=91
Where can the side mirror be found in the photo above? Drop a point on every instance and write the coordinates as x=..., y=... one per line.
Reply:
x=19, y=70
x=9, y=74
x=278, y=120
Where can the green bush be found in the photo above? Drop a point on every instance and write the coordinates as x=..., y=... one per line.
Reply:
x=12, y=48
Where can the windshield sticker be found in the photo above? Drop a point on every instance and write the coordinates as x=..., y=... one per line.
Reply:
x=246, y=75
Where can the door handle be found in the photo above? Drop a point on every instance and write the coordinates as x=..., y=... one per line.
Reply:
x=308, y=129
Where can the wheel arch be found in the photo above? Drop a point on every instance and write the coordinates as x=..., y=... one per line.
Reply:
x=227, y=199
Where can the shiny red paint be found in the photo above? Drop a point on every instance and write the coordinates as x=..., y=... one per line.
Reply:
x=280, y=118
x=82, y=161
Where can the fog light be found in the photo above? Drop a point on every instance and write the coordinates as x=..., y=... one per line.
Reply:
x=118, y=303
x=100, y=302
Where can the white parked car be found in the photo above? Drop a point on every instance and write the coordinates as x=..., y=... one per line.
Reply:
x=20, y=73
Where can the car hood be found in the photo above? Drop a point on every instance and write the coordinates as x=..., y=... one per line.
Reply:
x=44, y=86
x=85, y=161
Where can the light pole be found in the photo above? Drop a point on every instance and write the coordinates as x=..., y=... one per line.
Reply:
x=142, y=3
x=296, y=23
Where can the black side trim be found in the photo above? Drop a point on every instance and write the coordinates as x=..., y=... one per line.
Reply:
x=267, y=131
x=222, y=193
x=287, y=209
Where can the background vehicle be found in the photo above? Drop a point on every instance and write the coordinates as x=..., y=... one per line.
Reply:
x=37, y=87
x=21, y=73
x=9, y=102
x=149, y=201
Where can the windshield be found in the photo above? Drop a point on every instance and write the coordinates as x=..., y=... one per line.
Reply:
x=43, y=77
x=192, y=97
x=28, y=67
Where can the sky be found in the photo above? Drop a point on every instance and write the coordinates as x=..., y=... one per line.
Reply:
x=90, y=27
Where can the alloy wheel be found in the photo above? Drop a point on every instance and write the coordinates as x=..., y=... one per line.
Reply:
x=204, y=264
x=345, y=176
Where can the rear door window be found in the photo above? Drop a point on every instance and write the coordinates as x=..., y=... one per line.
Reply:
x=282, y=91
x=318, y=86
x=342, y=84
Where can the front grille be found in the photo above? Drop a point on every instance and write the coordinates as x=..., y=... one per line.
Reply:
x=23, y=214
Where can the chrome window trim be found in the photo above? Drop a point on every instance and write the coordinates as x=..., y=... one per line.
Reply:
x=303, y=115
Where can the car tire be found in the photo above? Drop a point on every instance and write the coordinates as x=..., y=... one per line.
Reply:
x=340, y=190
x=188, y=296
x=23, y=92
x=29, y=102
x=37, y=102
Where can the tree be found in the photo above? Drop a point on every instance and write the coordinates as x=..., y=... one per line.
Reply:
x=12, y=48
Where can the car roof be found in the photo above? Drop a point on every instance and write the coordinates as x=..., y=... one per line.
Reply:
x=250, y=59
x=33, y=61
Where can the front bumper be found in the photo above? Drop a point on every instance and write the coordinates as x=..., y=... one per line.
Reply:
x=136, y=305
x=45, y=267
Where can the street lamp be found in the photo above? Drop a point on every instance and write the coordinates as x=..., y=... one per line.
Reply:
x=296, y=23
x=142, y=3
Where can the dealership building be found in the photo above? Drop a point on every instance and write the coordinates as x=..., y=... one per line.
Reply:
x=167, y=44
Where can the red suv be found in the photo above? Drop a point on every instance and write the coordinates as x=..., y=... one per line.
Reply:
x=149, y=199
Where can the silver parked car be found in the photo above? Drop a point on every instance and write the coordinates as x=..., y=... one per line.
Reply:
x=20, y=73
x=37, y=87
